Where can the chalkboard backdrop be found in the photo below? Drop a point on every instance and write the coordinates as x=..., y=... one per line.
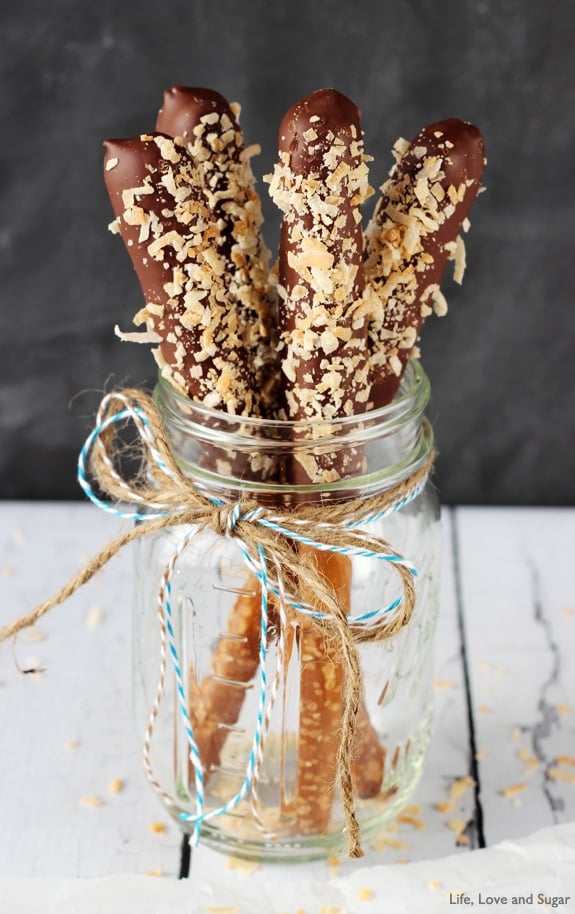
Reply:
x=502, y=362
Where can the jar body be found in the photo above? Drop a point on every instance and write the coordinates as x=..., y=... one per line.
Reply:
x=287, y=804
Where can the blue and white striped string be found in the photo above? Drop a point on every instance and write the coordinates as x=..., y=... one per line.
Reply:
x=152, y=508
x=168, y=626
x=140, y=419
x=165, y=599
x=273, y=693
x=200, y=816
x=153, y=715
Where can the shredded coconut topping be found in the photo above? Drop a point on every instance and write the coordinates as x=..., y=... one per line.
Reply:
x=320, y=330
x=403, y=249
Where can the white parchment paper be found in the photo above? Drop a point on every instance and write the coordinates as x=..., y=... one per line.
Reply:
x=534, y=874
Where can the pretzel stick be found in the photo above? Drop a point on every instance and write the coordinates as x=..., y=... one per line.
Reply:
x=414, y=231
x=321, y=682
x=209, y=127
x=319, y=184
x=216, y=702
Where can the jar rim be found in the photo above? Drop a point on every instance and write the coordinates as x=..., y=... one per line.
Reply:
x=408, y=436
x=412, y=398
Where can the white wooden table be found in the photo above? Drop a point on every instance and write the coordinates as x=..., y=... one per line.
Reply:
x=74, y=800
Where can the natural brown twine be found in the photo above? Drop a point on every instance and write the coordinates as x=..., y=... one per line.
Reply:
x=164, y=487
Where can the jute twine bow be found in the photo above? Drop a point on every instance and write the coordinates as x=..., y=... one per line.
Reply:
x=165, y=498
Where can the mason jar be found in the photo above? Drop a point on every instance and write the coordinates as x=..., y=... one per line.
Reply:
x=243, y=718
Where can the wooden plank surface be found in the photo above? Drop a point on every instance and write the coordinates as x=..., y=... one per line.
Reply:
x=517, y=574
x=67, y=733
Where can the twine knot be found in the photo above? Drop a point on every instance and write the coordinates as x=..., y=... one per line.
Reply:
x=226, y=518
x=271, y=543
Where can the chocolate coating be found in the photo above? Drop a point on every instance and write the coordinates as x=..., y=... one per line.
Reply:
x=335, y=117
x=209, y=126
x=439, y=175
x=320, y=183
x=337, y=122
x=184, y=107
x=162, y=214
x=139, y=162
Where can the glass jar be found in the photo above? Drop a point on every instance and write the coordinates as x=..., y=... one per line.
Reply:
x=247, y=729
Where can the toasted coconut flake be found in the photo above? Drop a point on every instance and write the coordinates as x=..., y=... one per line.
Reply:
x=95, y=617
x=460, y=261
x=223, y=909
x=513, y=790
x=385, y=841
x=90, y=801
x=443, y=684
x=245, y=866
x=138, y=336
x=527, y=758
x=559, y=774
x=414, y=821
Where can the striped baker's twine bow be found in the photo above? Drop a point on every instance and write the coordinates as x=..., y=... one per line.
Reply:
x=164, y=497
x=273, y=693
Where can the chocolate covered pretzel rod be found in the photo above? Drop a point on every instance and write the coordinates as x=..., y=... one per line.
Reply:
x=414, y=231
x=209, y=127
x=208, y=124
x=167, y=225
x=210, y=130
x=320, y=184
x=164, y=219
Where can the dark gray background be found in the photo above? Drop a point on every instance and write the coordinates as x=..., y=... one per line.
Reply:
x=502, y=362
